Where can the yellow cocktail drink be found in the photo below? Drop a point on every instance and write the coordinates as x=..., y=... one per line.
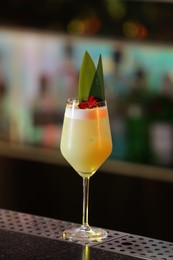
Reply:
x=86, y=139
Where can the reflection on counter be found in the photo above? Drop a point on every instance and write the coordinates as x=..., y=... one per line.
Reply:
x=38, y=72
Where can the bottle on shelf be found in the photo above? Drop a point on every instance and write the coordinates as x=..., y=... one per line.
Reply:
x=45, y=116
x=136, y=119
x=161, y=126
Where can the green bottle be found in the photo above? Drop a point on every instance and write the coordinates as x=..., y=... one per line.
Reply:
x=161, y=130
x=136, y=119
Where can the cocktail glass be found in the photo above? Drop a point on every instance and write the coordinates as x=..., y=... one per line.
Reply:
x=85, y=143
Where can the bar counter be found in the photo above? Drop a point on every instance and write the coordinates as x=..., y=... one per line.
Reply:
x=26, y=236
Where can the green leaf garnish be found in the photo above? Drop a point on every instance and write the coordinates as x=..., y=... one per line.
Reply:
x=86, y=76
x=97, y=88
x=91, y=81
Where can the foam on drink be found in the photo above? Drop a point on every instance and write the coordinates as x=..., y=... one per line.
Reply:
x=77, y=113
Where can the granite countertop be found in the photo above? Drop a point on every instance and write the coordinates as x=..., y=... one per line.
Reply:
x=16, y=246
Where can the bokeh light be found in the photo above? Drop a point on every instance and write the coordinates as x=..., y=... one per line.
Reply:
x=85, y=26
x=135, y=30
x=116, y=9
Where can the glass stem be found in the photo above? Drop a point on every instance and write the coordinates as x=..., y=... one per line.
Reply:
x=85, y=224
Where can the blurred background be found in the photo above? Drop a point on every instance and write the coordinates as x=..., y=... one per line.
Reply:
x=41, y=48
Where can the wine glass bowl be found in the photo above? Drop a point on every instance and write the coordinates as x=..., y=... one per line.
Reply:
x=85, y=143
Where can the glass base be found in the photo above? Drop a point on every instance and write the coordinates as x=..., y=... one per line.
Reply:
x=85, y=234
